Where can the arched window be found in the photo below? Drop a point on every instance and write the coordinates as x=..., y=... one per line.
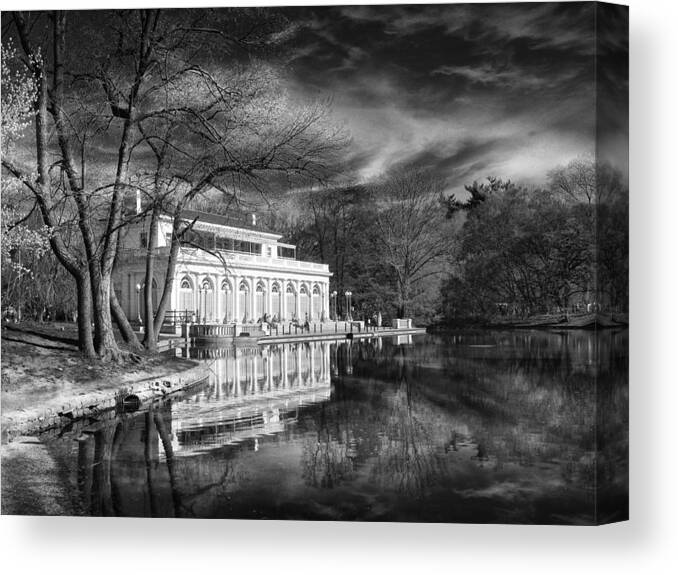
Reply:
x=291, y=302
x=304, y=303
x=244, y=301
x=259, y=301
x=207, y=309
x=276, y=301
x=226, y=300
x=186, y=295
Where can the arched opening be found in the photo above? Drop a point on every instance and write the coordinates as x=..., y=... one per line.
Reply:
x=304, y=303
x=276, y=301
x=207, y=293
x=186, y=296
x=226, y=295
x=243, y=301
x=291, y=302
x=259, y=301
x=317, y=303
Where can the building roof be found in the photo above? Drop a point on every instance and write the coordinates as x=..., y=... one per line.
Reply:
x=234, y=220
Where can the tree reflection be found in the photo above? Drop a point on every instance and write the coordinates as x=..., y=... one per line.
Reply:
x=107, y=468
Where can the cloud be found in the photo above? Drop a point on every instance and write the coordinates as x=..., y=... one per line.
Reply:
x=488, y=74
x=465, y=90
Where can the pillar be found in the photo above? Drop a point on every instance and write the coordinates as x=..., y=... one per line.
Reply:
x=217, y=315
x=283, y=300
x=253, y=297
x=236, y=299
x=297, y=300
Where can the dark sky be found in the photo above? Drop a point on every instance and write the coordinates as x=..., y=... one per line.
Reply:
x=468, y=90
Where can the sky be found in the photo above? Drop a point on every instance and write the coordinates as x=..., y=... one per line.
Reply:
x=466, y=90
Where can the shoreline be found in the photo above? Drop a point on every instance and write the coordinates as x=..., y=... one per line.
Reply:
x=591, y=321
x=70, y=400
x=142, y=391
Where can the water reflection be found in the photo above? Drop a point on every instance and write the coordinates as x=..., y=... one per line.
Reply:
x=472, y=427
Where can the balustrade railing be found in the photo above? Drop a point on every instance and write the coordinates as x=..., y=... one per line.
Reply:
x=213, y=330
x=178, y=317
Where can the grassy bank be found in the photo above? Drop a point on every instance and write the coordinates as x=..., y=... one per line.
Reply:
x=42, y=369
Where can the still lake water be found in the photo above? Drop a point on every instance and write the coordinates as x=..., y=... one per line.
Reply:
x=483, y=427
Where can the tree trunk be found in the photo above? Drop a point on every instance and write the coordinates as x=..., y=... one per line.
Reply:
x=104, y=337
x=84, y=292
x=169, y=274
x=150, y=339
x=123, y=324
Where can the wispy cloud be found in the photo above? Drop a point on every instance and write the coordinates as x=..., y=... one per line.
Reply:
x=466, y=90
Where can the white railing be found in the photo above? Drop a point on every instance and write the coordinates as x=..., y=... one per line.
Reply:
x=134, y=254
x=254, y=260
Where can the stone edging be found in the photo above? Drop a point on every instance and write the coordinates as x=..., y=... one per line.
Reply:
x=144, y=390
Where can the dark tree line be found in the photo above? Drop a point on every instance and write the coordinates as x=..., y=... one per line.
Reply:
x=525, y=252
x=403, y=249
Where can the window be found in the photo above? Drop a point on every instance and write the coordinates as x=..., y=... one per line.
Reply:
x=285, y=252
x=233, y=245
x=143, y=240
x=168, y=239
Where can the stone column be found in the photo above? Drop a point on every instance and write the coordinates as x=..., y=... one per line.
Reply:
x=196, y=294
x=297, y=300
x=326, y=298
x=268, y=297
x=253, y=298
x=236, y=298
x=218, y=312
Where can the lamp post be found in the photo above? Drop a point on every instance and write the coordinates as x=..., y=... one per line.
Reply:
x=348, y=295
x=334, y=298
x=138, y=286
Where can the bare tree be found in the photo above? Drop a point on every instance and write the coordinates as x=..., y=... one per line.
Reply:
x=575, y=182
x=413, y=233
x=146, y=81
x=217, y=132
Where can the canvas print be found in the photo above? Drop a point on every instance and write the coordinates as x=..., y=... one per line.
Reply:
x=348, y=263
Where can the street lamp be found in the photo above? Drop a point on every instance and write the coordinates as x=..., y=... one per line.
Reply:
x=348, y=295
x=334, y=297
x=138, y=286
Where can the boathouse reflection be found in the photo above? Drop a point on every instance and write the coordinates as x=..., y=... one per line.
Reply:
x=253, y=392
